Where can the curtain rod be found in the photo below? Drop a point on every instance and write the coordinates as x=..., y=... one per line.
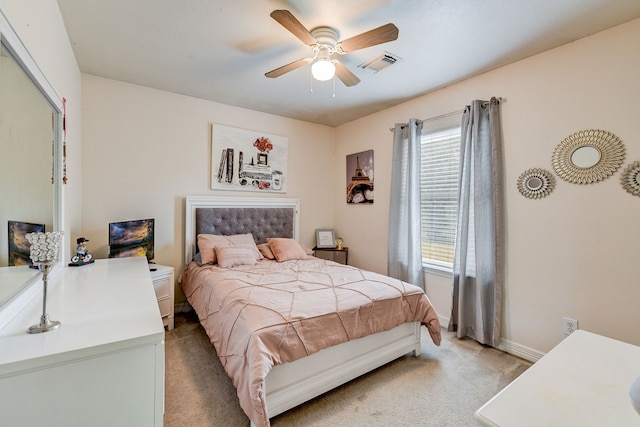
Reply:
x=453, y=113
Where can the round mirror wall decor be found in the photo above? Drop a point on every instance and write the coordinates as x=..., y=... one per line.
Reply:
x=588, y=156
x=630, y=178
x=536, y=183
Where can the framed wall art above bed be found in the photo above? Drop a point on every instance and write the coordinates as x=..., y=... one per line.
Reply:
x=248, y=160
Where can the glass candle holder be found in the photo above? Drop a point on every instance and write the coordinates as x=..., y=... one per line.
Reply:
x=45, y=251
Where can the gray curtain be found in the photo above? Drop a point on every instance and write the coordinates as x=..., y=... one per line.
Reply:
x=405, y=252
x=478, y=267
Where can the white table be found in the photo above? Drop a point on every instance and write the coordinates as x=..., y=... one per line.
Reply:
x=583, y=381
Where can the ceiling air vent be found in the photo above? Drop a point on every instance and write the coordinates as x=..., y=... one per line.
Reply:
x=380, y=63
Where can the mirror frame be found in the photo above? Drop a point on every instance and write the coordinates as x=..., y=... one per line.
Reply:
x=607, y=144
x=16, y=47
x=544, y=177
x=630, y=178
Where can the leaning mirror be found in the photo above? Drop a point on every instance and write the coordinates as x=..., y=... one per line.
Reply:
x=30, y=174
x=588, y=156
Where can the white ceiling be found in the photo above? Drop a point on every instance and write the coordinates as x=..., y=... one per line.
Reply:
x=219, y=50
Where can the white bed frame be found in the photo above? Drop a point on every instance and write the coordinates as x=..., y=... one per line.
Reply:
x=293, y=383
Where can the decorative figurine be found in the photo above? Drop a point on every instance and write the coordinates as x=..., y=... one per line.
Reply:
x=82, y=255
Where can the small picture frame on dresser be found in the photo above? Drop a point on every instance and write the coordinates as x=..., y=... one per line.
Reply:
x=325, y=238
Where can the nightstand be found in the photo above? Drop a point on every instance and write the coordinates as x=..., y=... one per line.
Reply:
x=164, y=285
x=330, y=254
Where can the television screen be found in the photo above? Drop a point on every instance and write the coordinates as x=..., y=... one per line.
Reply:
x=131, y=238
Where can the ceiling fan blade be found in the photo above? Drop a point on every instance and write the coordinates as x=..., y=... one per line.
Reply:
x=345, y=75
x=286, y=68
x=383, y=34
x=287, y=20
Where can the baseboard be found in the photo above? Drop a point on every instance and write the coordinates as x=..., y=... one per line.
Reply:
x=507, y=346
x=519, y=350
x=444, y=321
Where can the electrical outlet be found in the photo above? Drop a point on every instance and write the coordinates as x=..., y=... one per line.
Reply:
x=569, y=325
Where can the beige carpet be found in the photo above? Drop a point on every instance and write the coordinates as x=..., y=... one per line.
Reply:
x=442, y=387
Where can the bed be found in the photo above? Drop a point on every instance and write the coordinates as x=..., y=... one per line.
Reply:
x=290, y=329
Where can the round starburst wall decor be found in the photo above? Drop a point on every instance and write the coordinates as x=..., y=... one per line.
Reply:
x=588, y=156
x=536, y=183
x=630, y=178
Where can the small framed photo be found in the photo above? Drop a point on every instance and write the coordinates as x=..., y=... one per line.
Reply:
x=325, y=238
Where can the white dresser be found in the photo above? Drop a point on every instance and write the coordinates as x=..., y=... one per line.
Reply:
x=584, y=381
x=103, y=367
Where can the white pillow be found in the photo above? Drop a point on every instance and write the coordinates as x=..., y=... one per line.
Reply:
x=234, y=255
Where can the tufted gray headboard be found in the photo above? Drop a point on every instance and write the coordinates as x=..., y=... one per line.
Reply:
x=261, y=222
x=264, y=218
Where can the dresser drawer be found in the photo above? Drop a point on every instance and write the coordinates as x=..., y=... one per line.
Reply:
x=163, y=280
x=162, y=286
x=165, y=306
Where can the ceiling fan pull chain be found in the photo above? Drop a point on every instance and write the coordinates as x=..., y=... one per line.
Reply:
x=334, y=86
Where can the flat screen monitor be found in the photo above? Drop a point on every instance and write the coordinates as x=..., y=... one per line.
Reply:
x=131, y=238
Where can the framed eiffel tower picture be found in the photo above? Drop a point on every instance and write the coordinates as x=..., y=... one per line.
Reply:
x=360, y=177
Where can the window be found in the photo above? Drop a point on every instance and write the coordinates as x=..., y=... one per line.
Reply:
x=440, y=154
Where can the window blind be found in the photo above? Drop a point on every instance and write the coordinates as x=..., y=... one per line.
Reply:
x=440, y=162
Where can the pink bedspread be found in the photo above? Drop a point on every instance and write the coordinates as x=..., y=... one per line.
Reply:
x=273, y=313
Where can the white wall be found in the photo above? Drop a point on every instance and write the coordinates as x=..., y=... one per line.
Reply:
x=573, y=253
x=144, y=150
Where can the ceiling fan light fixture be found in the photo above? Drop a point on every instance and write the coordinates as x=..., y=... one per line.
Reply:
x=323, y=69
x=323, y=41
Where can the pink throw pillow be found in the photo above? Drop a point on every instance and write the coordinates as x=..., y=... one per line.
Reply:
x=207, y=243
x=265, y=250
x=307, y=249
x=286, y=249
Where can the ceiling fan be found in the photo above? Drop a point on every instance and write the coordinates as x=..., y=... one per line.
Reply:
x=323, y=41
